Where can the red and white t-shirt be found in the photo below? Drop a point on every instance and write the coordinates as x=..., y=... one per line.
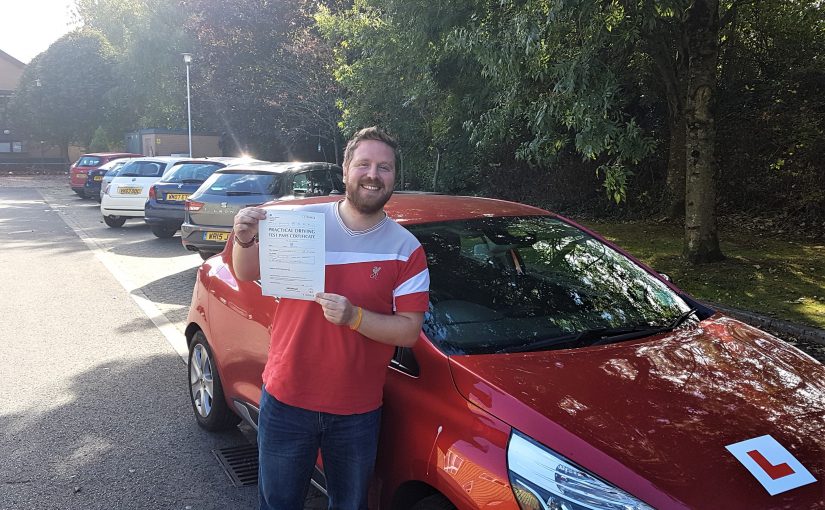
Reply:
x=317, y=365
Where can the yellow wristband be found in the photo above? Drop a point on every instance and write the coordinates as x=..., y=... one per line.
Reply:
x=357, y=324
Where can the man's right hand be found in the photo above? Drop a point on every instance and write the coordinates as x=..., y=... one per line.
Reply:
x=245, y=226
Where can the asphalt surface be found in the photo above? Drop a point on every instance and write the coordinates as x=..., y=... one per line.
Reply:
x=94, y=410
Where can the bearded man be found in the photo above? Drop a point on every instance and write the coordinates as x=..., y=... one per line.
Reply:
x=328, y=358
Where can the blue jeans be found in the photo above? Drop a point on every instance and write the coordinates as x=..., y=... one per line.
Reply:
x=288, y=442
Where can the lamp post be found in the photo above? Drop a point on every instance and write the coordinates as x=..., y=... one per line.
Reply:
x=187, y=58
x=40, y=120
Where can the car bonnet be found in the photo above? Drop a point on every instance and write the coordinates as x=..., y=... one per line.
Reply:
x=654, y=416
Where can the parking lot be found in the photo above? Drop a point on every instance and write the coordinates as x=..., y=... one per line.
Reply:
x=95, y=411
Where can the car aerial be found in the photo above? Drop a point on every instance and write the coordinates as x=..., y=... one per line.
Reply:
x=553, y=371
x=94, y=178
x=125, y=197
x=163, y=211
x=209, y=211
x=87, y=162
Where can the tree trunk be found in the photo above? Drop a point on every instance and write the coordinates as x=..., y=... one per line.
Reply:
x=64, y=151
x=672, y=67
x=676, y=163
x=437, y=165
x=702, y=26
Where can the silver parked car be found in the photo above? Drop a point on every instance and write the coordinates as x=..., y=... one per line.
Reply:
x=209, y=211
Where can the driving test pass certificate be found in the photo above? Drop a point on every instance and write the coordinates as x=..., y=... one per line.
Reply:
x=292, y=254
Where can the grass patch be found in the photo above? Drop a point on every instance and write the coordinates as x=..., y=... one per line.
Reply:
x=783, y=278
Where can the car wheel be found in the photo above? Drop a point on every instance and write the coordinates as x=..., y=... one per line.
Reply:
x=163, y=232
x=206, y=254
x=114, y=221
x=434, y=502
x=205, y=389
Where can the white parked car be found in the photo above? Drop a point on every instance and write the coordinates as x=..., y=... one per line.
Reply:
x=126, y=195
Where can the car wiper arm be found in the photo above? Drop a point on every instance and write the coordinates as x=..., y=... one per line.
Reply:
x=238, y=193
x=594, y=336
x=678, y=321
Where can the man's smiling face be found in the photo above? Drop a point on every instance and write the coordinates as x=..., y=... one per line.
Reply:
x=370, y=176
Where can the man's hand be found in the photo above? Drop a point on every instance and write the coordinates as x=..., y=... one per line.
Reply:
x=245, y=226
x=337, y=308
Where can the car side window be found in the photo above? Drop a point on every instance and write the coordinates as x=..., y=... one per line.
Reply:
x=314, y=183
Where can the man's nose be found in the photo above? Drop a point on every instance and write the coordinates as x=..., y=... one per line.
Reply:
x=372, y=171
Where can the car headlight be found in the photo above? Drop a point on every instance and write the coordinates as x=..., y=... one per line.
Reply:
x=544, y=480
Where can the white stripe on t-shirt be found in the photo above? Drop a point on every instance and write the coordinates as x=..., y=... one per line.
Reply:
x=349, y=257
x=417, y=283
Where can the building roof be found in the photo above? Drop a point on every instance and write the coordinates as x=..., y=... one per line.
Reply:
x=12, y=60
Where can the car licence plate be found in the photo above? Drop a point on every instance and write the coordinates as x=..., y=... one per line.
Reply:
x=177, y=196
x=215, y=236
x=129, y=190
x=98, y=177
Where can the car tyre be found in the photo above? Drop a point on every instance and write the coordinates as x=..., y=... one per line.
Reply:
x=206, y=390
x=114, y=221
x=434, y=502
x=206, y=254
x=163, y=232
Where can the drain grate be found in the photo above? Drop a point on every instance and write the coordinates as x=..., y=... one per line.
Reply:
x=240, y=463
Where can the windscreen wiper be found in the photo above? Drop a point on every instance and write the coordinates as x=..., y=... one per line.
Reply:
x=600, y=336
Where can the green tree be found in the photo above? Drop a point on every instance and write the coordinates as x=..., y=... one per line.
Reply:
x=60, y=97
x=149, y=87
x=393, y=61
x=267, y=76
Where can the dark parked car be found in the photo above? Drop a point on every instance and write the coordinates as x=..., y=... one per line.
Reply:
x=209, y=211
x=87, y=162
x=94, y=178
x=164, y=210
x=553, y=371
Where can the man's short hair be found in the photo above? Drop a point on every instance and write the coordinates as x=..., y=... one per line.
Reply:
x=369, y=133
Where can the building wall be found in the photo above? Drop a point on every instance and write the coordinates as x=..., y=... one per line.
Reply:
x=158, y=144
x=11, y=70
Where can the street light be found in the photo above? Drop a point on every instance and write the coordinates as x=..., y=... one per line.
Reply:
x=40, y=122
x=187, y=58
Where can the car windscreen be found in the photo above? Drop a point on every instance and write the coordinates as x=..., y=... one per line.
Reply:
x=505, y=283
x=88, y=161
x=238, y=184
x=191, y=173
x=142, y=169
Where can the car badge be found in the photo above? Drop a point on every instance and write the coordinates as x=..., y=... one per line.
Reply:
x=224, y=204
x=375, y=271
x=771, y=464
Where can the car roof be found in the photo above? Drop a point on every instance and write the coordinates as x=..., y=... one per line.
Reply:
x=280, y=167
x=107, y=154
x=412, y=208
x=160, y=159
x=226, y=160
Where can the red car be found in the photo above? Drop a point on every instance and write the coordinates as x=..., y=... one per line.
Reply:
x=87, y=162
x=553, y=371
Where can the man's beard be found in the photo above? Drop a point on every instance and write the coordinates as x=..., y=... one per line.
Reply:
x=369, y=205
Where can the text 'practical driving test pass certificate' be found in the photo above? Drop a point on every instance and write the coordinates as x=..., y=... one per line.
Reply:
x=292, y=254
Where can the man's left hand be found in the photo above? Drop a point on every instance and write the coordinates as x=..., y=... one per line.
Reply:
x=337, y=308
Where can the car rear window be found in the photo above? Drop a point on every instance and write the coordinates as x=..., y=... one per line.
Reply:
x=236, y=184
x=88, y=161
x=142, y=169
x=191, y=172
